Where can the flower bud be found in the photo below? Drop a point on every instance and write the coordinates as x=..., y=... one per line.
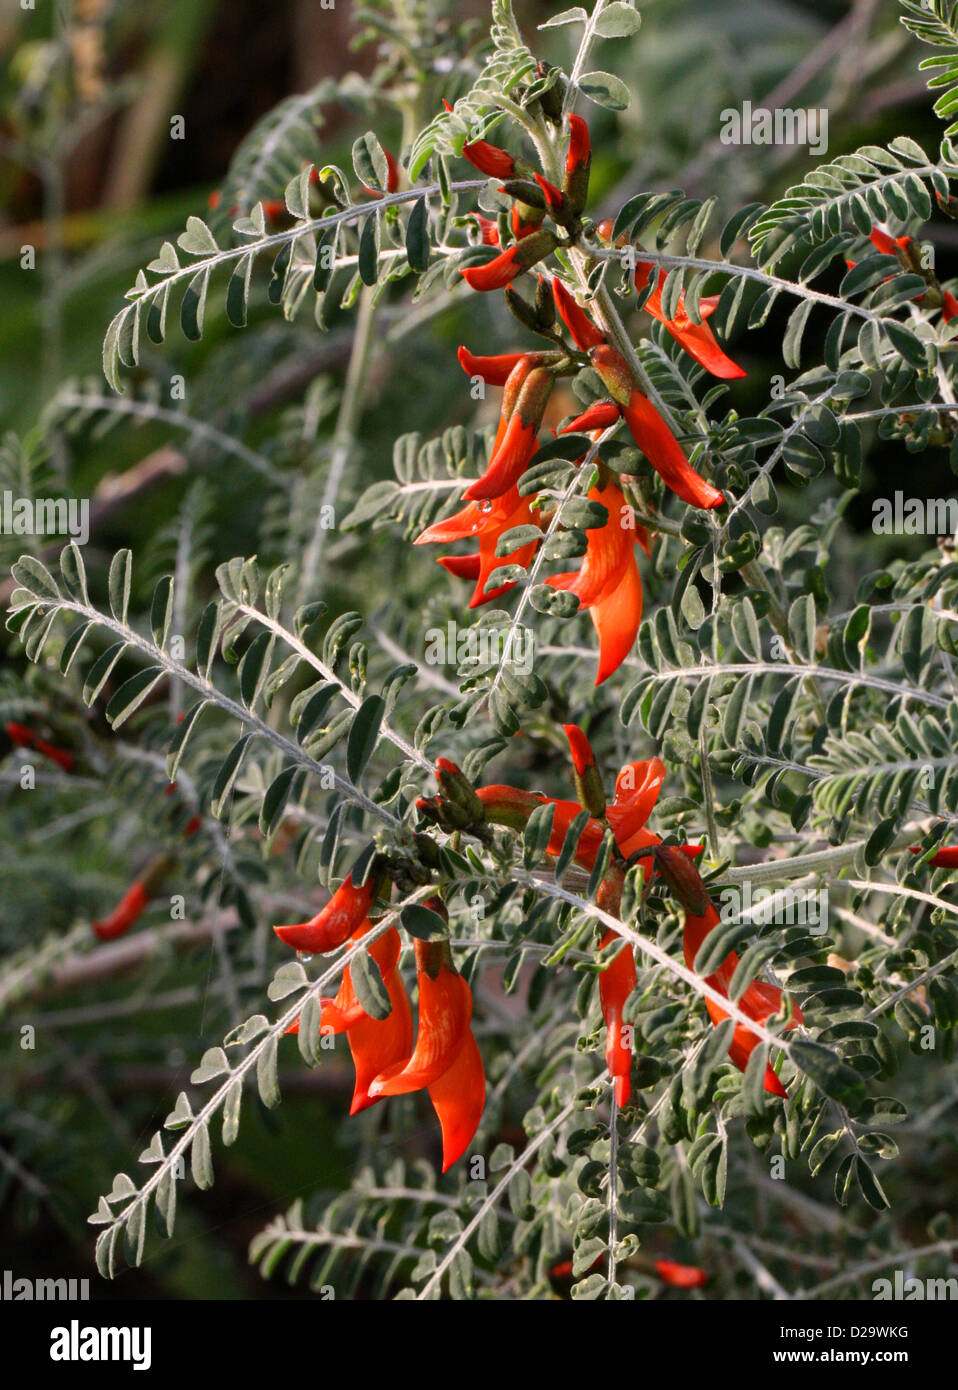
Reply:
x=588, y=781
x=683, y=879
x=455, y=787
x=575, y=185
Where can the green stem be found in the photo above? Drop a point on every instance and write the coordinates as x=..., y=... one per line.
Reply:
x=344, y=436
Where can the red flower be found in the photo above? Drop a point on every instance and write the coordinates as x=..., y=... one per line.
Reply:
x=583, y=758
x=127, y=911
x=445, y=1060
x=598, y=417
x=488, y=524
x=583, y=330
x=637, y=789
x=552, y=195
x=488, y=159
x=526, y=395
x=133, y=903
x=651, y=433
x=900, y=246
x=579, y=153
x=494, y=274
x=588, y=779
x=616, y=983
x=488, y=229
x=608, y=583
x=944, y=858
x=759, y=1001
x=335, y=922
x=392, y=177
x=697, y=338
x=520, y=228
x=512, y=455
x=495, y=371
x=22, y=737
x=575, y=184
x=375, y=1043
x=888, y=244
x=680, y=1276
x=502, y=269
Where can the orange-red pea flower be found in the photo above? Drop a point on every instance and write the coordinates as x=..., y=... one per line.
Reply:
x=494, y=370
x=517, y=437
x=618, y=979
x=522, y=229
x=487, y=523
x=23, y=737
x=497, y=273
x=503, y=269
x=651, y=433
x=127, y=911
x=488, y=230
x=697, y=339
x=760, y=1001
x=335, y=922
x=944, y=858
x=446, y=1060
x=579, y=152
x=616, y=983
x=552, y=195
x=374, y=1043
x=583, y=758
x=583, y=330
x=636, y=791
x=575, y=184
x=392, y=177
x=891, y=246
x=680, y=1276
x=608, y=583
x=599, y=416
x=888, y=246
x=488, y=159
